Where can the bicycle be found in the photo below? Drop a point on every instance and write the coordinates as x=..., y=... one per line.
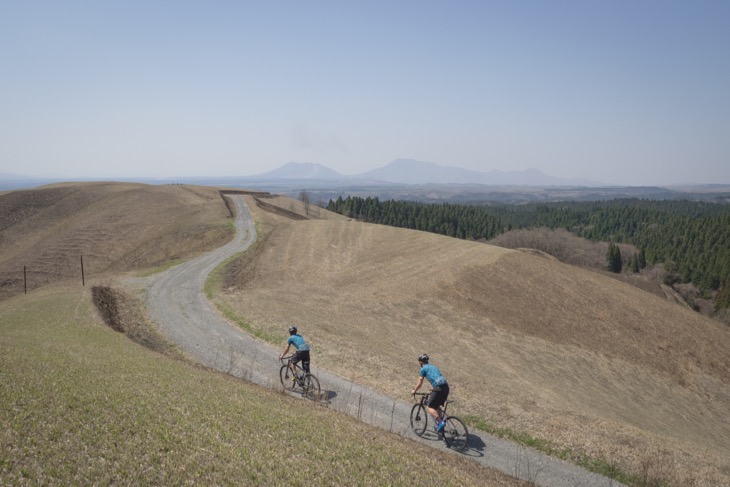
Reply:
x=455, y=433
x=306, y=381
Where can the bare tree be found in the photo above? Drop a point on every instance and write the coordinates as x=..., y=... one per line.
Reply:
x=304, y=198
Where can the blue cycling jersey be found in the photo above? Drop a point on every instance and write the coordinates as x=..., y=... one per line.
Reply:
x=433, y=374
x=298, y=342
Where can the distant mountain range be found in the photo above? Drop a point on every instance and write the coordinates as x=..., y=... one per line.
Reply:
x=408, y=179
x=410, y=171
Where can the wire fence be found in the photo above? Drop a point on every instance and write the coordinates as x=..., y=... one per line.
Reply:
x=28, y=278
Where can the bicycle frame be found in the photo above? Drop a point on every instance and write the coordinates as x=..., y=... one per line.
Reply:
x=288, y=361
x=298, y=366
x=424, y=397
x=454, y=433
x=308, y=383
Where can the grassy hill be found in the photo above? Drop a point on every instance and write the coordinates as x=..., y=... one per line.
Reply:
x=563, y=358
x=117, y=227
x=570, y=359
x=81, y=404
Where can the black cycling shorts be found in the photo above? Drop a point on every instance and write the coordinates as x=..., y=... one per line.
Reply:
x=302, y=355
x=438, y=396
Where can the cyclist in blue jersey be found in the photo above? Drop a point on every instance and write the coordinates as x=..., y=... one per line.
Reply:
x=301, y=354
x=439, y=390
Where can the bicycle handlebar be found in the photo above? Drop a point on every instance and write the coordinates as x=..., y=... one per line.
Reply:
x=422, y=394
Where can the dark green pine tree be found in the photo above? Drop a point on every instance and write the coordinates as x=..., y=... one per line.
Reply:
x=613, y=257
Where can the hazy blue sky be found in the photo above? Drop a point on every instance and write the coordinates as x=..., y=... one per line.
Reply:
x=625, y=92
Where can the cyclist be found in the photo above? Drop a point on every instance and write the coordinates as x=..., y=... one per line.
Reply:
x=439, y=390
x=302, y=353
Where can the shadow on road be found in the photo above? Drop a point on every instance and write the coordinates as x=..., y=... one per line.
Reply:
x=474, y=448
x=327, y=396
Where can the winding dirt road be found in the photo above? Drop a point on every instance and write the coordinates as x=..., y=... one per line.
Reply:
x=178, y=305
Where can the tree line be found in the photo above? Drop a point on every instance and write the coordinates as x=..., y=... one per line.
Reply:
x=691, y=239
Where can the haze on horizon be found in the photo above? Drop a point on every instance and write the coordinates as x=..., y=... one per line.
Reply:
x=631, y=93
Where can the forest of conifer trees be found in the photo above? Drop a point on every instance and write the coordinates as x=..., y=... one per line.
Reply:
x=691, y=239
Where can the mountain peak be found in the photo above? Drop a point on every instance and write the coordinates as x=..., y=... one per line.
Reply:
x=414, y=172
x=411, y=171
x=301, y=170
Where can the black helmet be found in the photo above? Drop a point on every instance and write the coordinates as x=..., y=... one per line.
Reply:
x=423, y=358
x=292, y=330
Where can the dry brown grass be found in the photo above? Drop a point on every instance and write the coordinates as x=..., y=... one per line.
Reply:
x=117, y=227
x=572, y=249
x=528, y=343
x=80, y=404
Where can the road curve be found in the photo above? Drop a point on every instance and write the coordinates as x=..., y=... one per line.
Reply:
x=178, y=305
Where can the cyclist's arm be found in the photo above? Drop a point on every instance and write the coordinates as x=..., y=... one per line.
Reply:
x=418, y=385
x=288, y=345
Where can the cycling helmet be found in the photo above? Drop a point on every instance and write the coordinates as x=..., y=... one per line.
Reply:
x=423, y=358
x=292, y=330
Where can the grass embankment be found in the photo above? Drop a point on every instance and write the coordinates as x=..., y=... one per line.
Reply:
x=213, y=285
x=599, y=466
x=596, y=465
x=82, y=404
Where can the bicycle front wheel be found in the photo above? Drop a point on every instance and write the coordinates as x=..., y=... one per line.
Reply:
x=285, y=375
x=311, y=387
x=419, y=419
x=456, y=435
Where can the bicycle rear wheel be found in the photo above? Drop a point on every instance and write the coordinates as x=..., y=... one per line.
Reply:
x=285, y=375
x=419, y=419
x=311, y=387
x=455, y=433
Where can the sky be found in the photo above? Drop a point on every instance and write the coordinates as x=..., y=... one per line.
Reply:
x=633, y=92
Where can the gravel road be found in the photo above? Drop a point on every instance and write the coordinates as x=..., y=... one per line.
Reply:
x=177, y=304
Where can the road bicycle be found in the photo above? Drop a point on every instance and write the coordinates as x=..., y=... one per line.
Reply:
x=290, y=381
x=455, y=434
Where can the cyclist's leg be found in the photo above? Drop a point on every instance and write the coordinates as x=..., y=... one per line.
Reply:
x=432, y=406
x=436, y=400
x=305, y=360
x=435, y=413
x=443, y=397
x=294, y=361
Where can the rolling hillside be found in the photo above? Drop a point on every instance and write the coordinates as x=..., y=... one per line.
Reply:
x=562, y=354
x=117, y=227
x=596, y=366
x=81, y=404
